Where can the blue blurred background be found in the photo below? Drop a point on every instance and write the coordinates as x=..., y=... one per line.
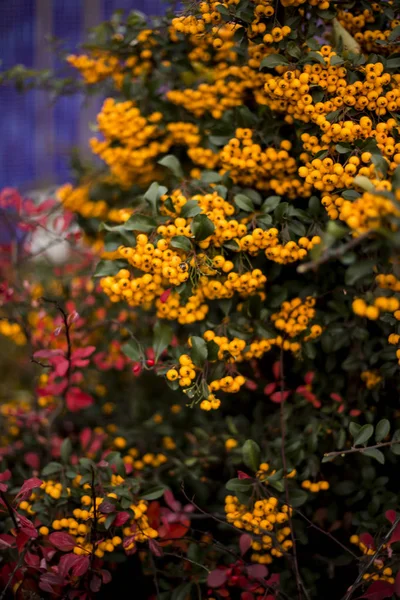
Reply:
x=36, y=136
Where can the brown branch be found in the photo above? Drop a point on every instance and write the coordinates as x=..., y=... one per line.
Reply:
x=329, y=254
x=327, y=533
x=352, y=450
x=370, y=562
x=10, y=510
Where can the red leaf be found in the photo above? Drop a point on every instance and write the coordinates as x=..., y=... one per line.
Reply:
x=62, y=541
x=269, y=388
x=279, y=397
x=257, y=571
x=61, y=366
x=368, y=540
x=379, y=590
x=81, y=566
x=155, y=548
x=246, y=596
x=21, y=540
x=78, y=564
x=28, y=486
x=165, y=295
x=6, y=475
x=83, y=353
x=32, y=460
x=121, y=518
x=106, y=576
x=336, y=397
x=32, y=560
x=95, y=583
x=308, y=377
x=3, y=488
x=176, y=531
x=391, y=515
x=276, y=369
x=397, y=584
x=217, y=578
x=395, y=535
x=107, y=507
x=48, y=353
x=6, y=541
x=243, y=475
x=170, y=500
x=245, y=543
x=77, y=400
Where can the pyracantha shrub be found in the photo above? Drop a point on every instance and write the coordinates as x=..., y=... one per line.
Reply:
x=214, y=378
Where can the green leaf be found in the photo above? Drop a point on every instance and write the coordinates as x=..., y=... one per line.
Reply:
x=199, y=351
x=297, y=498
x=140, y=223
x=343, y=148
x=363, y=435
x=132, y=350
x=239, y=485
x=270, y=203
x=354, y=428
x=202, y=227
x=392, y=63
x=350, y=195
x=344, y=488
x=190, y=209
x=172, y=163
x=376, y=454
x=396, y=447
x=154, y=492
x=181, y=242
x=314, y=56
x=182, y=591
x=51, y=469
x=108, y=267
x=358, y=271
x=382, y=430
x=162, y=338
x=297, y=228
x=210, y=177
x=66, y=450
x=273, y=60
x=153, y=195
x=394, y=34
x=364, y=183
x=212, y=351
x=244, y=203
x=251, y=454
x=232, y=245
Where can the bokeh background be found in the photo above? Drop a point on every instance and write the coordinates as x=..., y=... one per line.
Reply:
x=36, y=135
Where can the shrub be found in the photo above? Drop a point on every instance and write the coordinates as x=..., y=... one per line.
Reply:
x=244, y=223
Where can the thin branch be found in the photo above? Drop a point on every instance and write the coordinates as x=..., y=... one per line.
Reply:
x=371, y=561
x=299, y=584
x=329, y=254
x=10, y=510
x=327, y=533
x=352, y=450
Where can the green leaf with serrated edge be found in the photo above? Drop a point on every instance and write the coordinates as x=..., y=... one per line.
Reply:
x=251, y=454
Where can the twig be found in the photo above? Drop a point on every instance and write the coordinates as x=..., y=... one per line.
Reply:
x=329, y=535
x=155, y=578
x=10, y=510
x=68, y=355
x=329, y=254
x=93, y=530
x=299, y=583
x=17, y=566
x=370, y=562
x=352, y=450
